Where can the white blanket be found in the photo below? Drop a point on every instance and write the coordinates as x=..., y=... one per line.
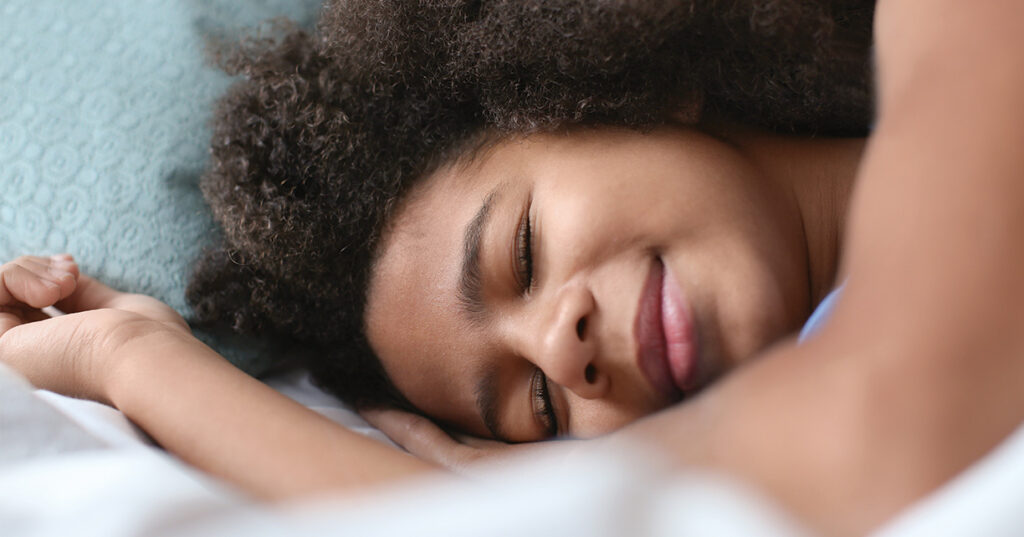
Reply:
x=87, y=474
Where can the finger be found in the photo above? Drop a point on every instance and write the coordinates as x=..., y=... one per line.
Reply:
x=91, y=294
x=30, y=259
x=12, y=316
x=407, y=429
x=8, y=320
x=65, y=262
x=55, y=266
x=28, y=315
x=480, y=443
x=419, y=436
x=19, y=285
x=59, y=270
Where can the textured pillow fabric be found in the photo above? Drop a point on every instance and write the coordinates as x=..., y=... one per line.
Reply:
x=104, y=111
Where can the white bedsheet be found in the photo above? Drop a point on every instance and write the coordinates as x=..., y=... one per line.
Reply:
x=113, y=485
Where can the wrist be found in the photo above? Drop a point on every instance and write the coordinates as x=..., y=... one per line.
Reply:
x=138, y=366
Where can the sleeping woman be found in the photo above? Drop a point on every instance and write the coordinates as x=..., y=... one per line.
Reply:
x=494, y=223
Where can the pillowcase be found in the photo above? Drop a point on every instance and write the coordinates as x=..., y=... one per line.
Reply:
x=104, y=112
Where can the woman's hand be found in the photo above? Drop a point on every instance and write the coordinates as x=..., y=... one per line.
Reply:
x=136, y=353
x=423, y=438
x=31, y=283
x=73, y=354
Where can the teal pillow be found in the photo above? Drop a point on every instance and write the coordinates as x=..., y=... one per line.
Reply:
x=104, y=112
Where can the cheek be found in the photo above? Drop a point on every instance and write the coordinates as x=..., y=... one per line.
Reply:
x=762, y=294
x=595, y=418
x=755, y=312
x=610, y=216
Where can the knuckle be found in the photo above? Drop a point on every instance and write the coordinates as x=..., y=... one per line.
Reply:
x=424, y=432
x=20, y=274
x=20, y=262
x=417, y=428
x=10, y=267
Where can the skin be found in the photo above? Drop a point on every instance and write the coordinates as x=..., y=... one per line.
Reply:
x=729, y=219
x=916, y=375
x=121, y=349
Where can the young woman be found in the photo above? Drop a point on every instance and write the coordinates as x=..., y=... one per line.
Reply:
x=572, y=278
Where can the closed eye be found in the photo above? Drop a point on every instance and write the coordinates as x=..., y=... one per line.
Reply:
x=524, y=252
x=540, y=402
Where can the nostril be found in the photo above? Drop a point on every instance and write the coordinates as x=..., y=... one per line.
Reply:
x=581, y=327
x=590, y=373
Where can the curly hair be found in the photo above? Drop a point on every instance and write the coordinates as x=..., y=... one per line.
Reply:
x=324, y=132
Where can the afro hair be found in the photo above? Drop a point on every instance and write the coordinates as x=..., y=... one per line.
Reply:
x=324, y=132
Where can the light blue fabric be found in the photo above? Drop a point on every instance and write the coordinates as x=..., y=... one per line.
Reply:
x=820, y=315
x=104, y=111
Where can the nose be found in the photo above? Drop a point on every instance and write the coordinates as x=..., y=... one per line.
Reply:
x=567, y=349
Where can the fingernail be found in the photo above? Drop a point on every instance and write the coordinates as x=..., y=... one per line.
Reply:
x=48, y=283
x=58, y=270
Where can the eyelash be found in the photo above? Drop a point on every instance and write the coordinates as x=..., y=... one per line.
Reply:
x=540, y=398
x=524, y=252
x=540, y=395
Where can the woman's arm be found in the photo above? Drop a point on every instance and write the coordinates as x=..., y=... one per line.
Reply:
x=217, y=418
x=918, y=373
x=137, y=354
x=921, y=369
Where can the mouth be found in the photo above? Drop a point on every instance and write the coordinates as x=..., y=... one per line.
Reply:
x=664, y=332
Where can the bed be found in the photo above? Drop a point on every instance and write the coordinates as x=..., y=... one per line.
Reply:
x=71, y=467
x=103, y=110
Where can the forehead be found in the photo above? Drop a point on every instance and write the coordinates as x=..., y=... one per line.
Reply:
x=413, y=317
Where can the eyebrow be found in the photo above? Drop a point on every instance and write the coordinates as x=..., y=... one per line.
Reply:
x=470, y=279
x=487, y=402
x=472, y=303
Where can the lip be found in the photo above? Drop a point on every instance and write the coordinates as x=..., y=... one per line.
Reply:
x=663, y=328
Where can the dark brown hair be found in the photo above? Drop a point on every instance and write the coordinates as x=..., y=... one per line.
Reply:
x=324, y=131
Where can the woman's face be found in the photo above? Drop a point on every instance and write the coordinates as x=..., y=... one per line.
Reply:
x=570, y=284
